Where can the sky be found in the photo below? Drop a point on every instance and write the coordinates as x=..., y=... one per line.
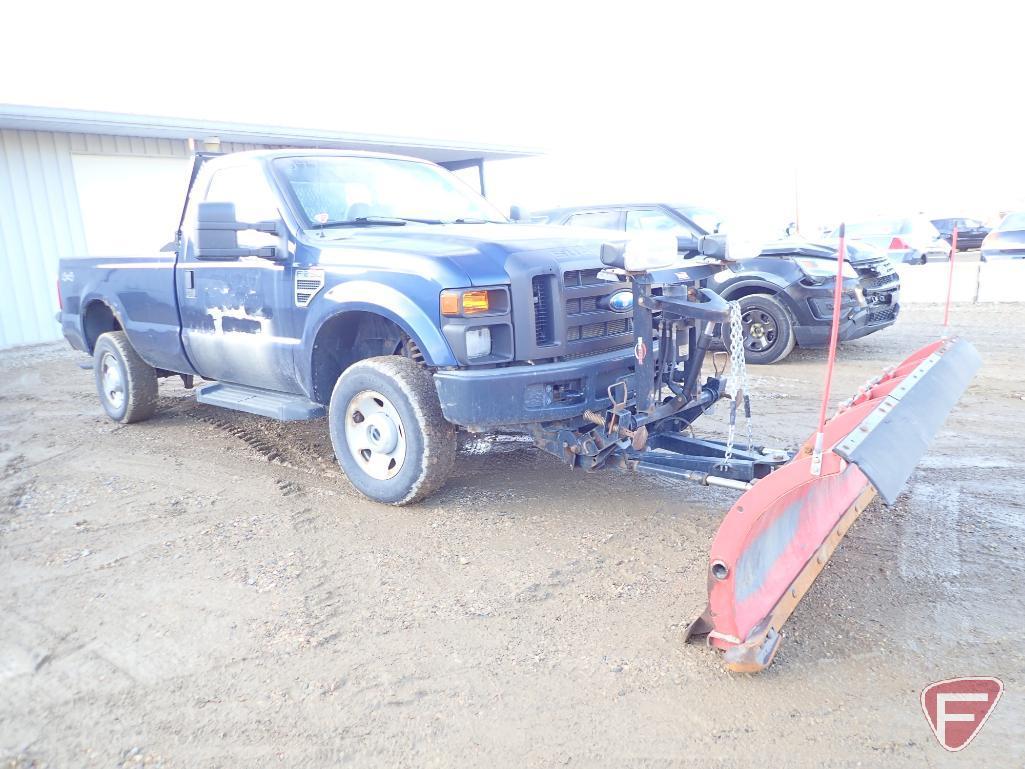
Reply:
x=825, y=111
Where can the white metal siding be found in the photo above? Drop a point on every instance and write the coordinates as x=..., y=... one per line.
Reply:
x=41, y=221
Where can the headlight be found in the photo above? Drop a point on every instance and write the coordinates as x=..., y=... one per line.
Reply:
x=823, y=268
x=457, y=302
x=642, y=252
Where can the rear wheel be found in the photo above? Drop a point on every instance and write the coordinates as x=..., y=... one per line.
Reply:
x=127, y=385
x=388, y=432
x=768, y=329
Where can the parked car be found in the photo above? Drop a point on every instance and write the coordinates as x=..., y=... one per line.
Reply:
x=785, y=292
x=1007, y=241
x=970, y=232
x=907, y=240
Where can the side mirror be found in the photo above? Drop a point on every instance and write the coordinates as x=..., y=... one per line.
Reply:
x=519, y=214
x=217, y=231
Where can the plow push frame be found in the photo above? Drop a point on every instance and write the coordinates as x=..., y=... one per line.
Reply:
x=796, y=508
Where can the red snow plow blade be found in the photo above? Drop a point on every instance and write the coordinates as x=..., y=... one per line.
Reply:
x=778, y=536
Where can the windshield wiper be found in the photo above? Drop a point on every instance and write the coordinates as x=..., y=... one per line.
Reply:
x=471, y=220
x=372, y=221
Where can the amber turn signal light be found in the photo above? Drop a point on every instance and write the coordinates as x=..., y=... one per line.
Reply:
x=450, y=303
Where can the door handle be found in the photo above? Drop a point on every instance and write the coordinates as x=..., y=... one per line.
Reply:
x=190, y=284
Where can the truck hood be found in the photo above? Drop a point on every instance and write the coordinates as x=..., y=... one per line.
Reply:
x=858, y=251
x=482, y=252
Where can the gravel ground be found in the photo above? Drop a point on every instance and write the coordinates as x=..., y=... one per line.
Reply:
x=206, y=590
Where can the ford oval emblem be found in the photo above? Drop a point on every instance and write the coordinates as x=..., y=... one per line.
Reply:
x=621, y=301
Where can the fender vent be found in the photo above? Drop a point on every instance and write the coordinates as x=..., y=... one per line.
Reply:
x=307, y=284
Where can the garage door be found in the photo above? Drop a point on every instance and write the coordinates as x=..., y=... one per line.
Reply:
x=129, y=205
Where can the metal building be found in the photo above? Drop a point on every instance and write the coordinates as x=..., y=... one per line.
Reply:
x=100, y=183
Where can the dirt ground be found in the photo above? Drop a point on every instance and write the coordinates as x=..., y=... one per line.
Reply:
x=206, y=590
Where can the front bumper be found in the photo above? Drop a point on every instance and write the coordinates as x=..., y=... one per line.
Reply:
x=480, y=399
x=854, y=324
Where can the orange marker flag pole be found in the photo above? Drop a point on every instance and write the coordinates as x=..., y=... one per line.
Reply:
x=950, y=285
x=816, y=459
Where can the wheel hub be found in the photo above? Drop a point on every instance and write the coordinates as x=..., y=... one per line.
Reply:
x=759, y=329
x=382, y=434
x=113, y=381
x=374, y=434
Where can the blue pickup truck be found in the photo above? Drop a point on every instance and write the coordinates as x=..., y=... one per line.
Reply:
x=383, y=293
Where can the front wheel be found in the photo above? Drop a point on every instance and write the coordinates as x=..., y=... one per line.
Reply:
x=388, y=432
x=768, y=329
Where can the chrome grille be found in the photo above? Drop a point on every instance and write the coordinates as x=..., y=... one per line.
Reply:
x=598, y=330
x=585, y=278
x=592, y=328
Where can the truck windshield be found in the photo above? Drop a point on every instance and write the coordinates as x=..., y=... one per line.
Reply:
x=357, y=190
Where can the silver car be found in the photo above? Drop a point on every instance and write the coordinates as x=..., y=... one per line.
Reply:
x=906, y=240
x=1007, y=241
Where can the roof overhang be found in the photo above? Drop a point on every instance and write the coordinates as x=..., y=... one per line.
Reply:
x=26, y=118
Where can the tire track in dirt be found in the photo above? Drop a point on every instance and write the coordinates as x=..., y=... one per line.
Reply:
x=277, y=443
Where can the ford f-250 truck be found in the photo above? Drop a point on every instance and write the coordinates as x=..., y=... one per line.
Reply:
x=383, y=292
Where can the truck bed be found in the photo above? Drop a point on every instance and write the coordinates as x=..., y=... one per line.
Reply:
x=140, y=293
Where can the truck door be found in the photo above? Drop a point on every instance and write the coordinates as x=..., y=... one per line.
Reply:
x=238, y=315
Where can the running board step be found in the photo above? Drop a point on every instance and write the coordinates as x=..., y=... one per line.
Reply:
x=285, y=407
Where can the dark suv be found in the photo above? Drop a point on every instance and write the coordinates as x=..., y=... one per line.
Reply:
x=970, y=232
x=785, y=292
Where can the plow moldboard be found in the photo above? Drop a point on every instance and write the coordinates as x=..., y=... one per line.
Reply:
x=778, y=536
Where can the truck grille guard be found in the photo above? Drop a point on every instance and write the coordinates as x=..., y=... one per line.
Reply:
x=796, y=506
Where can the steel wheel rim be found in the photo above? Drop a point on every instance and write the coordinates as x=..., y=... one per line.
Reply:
x=760, y=331
x=113, y=381
x=374, y=434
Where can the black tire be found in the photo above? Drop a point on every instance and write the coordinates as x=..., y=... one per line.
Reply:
x=768, y=329
x=401, y=391
x=126, y=384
